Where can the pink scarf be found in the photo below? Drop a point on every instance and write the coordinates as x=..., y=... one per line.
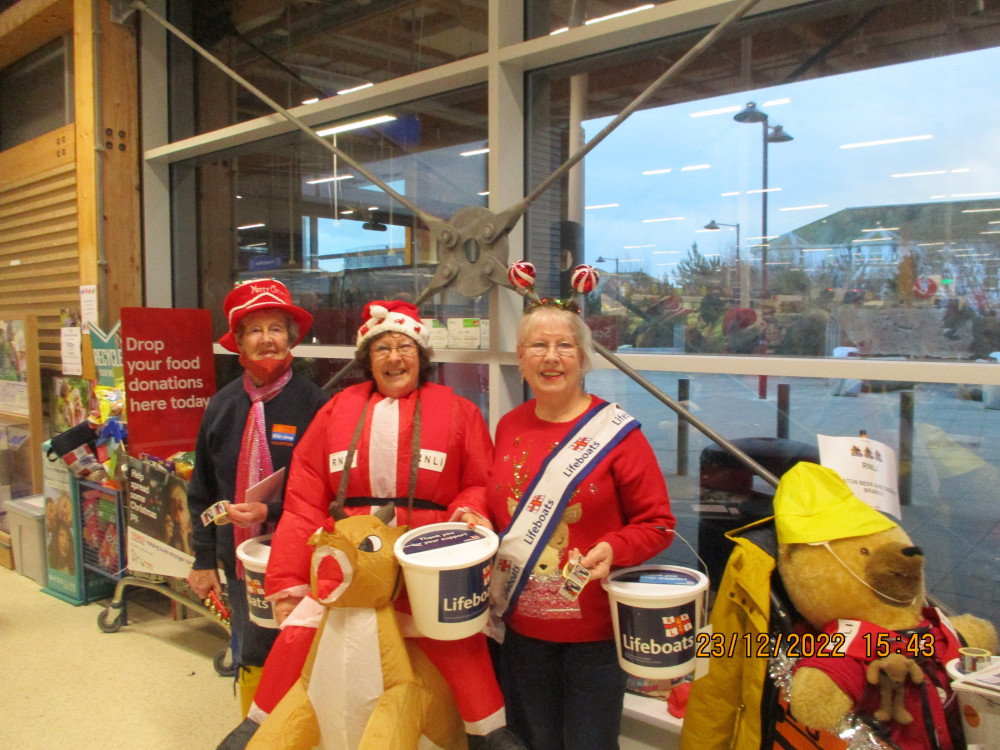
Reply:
x=255, y=458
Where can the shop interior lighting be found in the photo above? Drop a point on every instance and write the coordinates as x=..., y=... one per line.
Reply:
x=334, y=178
x=619, y=14
x=592, y=21
x=475, y=152
x=804, y=208
x=657, y=171
x=978, y=210
x=252, y=226
x=601, y=205
x=920, y=174
x=379, y=120
x=666, y=218
x=887, y=141
x=352, y=89
x=719, y=111
x=693, y=167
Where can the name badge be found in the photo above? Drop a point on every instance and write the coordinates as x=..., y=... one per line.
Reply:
x=432, y=460
x=338, y=459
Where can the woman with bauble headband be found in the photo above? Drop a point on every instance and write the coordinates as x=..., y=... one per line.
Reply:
x=602, y=504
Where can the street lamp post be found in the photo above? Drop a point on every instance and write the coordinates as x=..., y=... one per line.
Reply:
x=741, y=289
x=771, y=134
x=602, y=259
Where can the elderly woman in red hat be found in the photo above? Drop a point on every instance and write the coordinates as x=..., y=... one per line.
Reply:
x=408, y=442
x=247, y=432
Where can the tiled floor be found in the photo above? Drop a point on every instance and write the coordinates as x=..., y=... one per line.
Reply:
x=150, y=686
x=954, y=512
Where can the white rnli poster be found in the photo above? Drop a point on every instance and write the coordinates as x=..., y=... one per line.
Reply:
x=867, y=466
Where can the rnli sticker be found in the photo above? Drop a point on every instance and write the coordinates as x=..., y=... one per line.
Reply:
x=432, y=460
x=337, y=461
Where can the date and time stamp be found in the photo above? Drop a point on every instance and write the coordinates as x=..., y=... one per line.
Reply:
x=809, y=645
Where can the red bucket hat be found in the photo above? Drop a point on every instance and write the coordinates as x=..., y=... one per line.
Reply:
x=260, y=294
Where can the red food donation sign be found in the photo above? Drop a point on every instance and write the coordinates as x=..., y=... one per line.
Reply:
x=169, y=377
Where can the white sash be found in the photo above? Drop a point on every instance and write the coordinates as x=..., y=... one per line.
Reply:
x=541, y=506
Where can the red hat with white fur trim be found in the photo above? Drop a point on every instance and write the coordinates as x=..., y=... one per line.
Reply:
x=260, y=294
x=382, y=316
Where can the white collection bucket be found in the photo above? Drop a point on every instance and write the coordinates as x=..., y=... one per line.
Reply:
x=980, y=708
x=254, y=554
x=656, y=611
x=447, y=569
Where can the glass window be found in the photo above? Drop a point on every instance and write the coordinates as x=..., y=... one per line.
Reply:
x=288, y=208
x=943, y=432
x=36, y=94
x=870, y=234
x=300, y=52
x=783, y=198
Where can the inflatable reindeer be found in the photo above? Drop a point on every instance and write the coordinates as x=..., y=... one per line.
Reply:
x=364, y=686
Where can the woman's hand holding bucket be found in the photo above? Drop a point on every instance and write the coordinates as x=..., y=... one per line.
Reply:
x=464, y=515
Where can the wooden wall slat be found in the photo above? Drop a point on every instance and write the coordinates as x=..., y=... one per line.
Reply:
x=49, y=246
x=38, y=204
x=54, y=184
x=39, y=243
x=41, y=154
x=42, y=175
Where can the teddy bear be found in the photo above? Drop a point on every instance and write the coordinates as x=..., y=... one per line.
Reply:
x=890, y=674
x=855, y=576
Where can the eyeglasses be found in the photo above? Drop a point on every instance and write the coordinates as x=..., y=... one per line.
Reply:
x=563, y=349
x=405, y=350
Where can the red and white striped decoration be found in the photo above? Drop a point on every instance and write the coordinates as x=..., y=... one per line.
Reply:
x=521, y=274
x=584, y=279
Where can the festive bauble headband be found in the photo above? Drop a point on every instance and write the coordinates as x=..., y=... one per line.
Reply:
x=583, y=280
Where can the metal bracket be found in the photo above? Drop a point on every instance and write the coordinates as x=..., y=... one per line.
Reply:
x=122, y=12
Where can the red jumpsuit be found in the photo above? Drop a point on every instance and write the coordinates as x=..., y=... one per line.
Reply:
x=455, y=453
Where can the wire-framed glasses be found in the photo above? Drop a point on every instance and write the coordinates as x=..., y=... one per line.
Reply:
x=381, y=351
x=563, y=348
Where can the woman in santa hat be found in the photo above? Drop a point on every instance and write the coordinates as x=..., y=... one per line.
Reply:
x=408, y=442
x=247, y=432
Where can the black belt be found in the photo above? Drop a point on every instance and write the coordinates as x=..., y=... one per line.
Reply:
x=360, y=502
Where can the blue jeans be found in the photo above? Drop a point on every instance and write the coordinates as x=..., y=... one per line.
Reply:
x=562, y=696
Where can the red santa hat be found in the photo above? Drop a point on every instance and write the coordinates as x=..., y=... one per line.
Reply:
x=260, y=294
x=382, y=316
